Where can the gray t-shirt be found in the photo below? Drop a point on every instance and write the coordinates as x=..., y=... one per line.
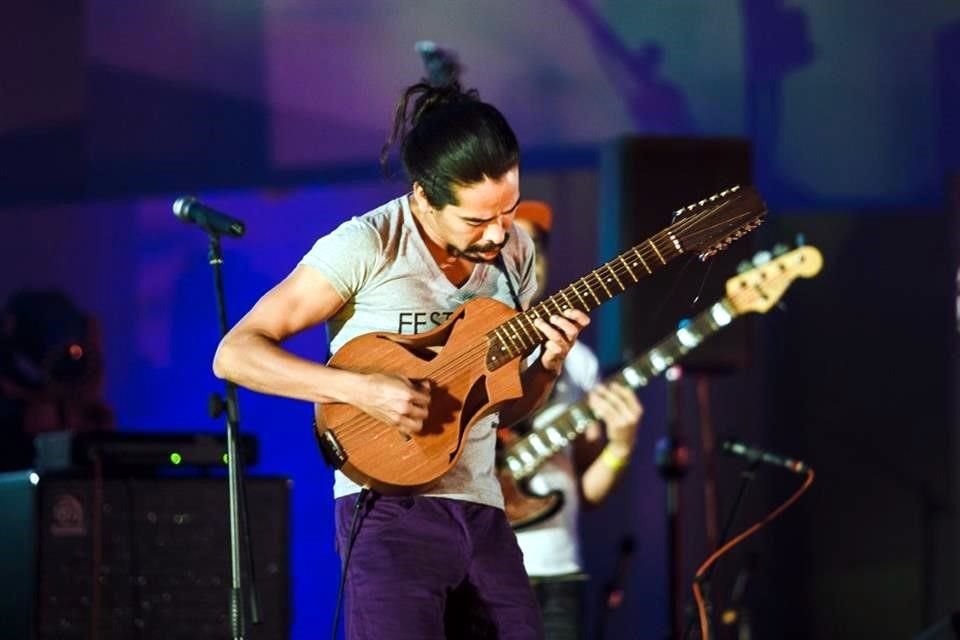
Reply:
x=380, y=265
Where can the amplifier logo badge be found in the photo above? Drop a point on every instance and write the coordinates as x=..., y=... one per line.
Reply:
x=68, y=519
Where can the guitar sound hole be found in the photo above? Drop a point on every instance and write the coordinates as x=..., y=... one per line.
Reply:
x=424, y=353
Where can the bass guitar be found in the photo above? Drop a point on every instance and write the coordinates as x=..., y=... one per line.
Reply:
x=753, y=291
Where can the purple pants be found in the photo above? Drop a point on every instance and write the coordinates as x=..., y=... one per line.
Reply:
x=430, y=568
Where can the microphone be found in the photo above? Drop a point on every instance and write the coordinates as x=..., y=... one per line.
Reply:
x=189, y=209
x=755, y=454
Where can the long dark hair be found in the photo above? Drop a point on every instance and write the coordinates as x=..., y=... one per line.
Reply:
x=449, y=138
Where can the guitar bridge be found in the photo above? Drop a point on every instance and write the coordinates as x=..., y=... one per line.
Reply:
x=333, y=454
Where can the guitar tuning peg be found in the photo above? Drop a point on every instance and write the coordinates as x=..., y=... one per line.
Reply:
x=779, y=249
x=744, y=266
x=762, y=257
x=782, y=306
x=800, y=240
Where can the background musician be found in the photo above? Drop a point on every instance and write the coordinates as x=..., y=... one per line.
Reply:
x=588, y=469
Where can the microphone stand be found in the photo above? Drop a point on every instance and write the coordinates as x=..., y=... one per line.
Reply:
x=673, y=458
x=746, y=476
x=239, y=517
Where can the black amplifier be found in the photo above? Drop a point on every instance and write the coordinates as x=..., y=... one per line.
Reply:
x=136, y=558
x=130, y=450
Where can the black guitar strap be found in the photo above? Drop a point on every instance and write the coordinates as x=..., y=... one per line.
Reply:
x=513, y=291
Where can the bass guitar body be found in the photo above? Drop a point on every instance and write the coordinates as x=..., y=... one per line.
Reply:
x=525, y=508
x=463, y=390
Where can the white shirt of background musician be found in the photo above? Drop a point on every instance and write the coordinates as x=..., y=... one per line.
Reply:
x=380, y=265
x=551, y=547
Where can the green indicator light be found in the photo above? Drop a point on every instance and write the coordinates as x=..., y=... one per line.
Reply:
x=225, y=458
x=176, y=458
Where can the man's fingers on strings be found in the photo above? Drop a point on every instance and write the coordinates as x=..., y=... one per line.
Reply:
x=552, y=332
x=417, y=411
x=577, y=316
x=568, y=327
x=422, y=389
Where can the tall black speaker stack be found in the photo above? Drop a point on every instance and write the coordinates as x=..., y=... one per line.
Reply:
x=112, y=558
x=643, y=180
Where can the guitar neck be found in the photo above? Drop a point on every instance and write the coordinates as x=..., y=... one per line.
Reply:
x=527, y=455
x=705, y=227
x=518, y=336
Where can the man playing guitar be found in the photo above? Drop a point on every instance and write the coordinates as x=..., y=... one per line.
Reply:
x=403, y=268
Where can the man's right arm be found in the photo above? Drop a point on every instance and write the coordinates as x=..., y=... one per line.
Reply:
x=251, y=356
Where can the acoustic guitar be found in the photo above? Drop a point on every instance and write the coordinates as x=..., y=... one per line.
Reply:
x=753, y=291
x=473, y=359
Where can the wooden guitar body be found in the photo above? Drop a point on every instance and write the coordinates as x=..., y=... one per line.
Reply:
x=452, y=357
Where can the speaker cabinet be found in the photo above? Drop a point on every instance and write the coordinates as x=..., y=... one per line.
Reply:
x=138, y=558
x=643, y=181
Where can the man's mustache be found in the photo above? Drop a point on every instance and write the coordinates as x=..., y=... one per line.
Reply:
x=489, y=247
x=473, y=252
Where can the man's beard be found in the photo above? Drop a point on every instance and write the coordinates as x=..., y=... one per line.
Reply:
x=474, y=251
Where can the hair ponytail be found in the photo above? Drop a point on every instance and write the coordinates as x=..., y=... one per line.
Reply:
x=449, y=137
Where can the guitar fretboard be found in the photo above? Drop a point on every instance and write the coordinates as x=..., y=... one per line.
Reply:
x=706, y=227
x=518, y=336
x=527, y=455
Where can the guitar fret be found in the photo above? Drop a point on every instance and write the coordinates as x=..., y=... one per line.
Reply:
x=519, y=319
x=642, y=261
x=589, y=290
x=633, y=377
x=586, y=307
x=600, y=280
x=627, y=267
x=555, y=437
x=503, y=343
x=614, y=274
x=518, y=333
x=533, y=327
x=513, y=462
x=526, y=456
x=557, y=310
x=657, y=251
x=536, y=312
x=581, y=415
x=539, y=446
x=511, y=338
x=566, y=299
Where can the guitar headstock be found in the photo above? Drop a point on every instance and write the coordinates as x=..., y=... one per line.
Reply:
x=760, y=288
x=709, y=226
